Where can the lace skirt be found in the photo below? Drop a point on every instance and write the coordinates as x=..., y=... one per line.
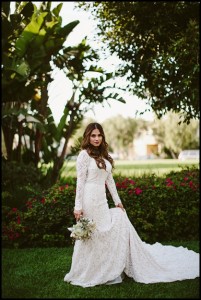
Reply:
x=115, y=248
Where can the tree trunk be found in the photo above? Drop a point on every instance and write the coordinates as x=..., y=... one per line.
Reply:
x=43, y=112
x=8, y=138
x=58, y=163
x=19, y=146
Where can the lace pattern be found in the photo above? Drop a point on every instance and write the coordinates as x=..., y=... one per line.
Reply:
x=81, y=167
x=112, y=188
x=87, y=171
x=115, y=247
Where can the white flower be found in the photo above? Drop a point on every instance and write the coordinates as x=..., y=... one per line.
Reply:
x=83, y=229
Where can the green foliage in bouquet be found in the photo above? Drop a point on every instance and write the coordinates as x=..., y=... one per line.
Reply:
x=83, y=229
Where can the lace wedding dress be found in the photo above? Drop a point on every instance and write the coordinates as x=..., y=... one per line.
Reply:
x=115, y=248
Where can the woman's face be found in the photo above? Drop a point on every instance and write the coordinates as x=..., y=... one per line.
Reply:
x=95, y=138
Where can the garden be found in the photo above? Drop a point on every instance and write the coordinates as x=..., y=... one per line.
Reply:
x=161, y=198
x=37, y=244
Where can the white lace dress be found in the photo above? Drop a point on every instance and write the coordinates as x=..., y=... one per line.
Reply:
x=115, y=247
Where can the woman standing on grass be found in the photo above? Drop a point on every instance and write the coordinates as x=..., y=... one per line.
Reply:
x=115, y=248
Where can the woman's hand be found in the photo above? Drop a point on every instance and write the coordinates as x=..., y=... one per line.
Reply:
x=121, y=206
x=78, y=214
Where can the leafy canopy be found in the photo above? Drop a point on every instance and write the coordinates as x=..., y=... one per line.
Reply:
x=158, y=43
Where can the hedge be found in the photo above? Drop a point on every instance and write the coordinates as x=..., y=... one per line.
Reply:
x=161, y=209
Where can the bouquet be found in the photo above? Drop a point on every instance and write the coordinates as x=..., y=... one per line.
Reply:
x=83, y=229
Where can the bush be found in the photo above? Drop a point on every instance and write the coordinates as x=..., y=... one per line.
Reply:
x=161, y=209
x=19, y=182
x=45, y=221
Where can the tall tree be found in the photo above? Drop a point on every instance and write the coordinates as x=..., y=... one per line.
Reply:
x=158, y=42
x=174, y=137
x=120, y=133
x=30, y=37
x=90, y=85
x=34, y=47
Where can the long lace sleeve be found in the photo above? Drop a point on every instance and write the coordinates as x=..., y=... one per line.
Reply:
x=112, y=188
x=81, y=167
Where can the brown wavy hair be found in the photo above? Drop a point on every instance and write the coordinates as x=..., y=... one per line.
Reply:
x=100, y=152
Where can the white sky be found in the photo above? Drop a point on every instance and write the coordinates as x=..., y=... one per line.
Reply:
x=60, y=90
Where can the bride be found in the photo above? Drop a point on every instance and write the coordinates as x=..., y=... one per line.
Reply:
x=115, y=248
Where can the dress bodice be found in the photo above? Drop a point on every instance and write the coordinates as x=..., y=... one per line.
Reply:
x=96, y=175
x=89, y=173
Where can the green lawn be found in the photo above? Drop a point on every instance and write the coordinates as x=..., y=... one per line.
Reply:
x=39, y=273
x=138, y=167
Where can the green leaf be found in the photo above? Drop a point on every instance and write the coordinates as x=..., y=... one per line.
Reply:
x=20, y=66
x=29, y=33
x=57, y=9
x=62, y=123
x=28, y=10
x=64, y=31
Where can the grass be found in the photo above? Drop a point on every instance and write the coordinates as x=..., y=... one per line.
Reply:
x=138, y=167
x=39, y=272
